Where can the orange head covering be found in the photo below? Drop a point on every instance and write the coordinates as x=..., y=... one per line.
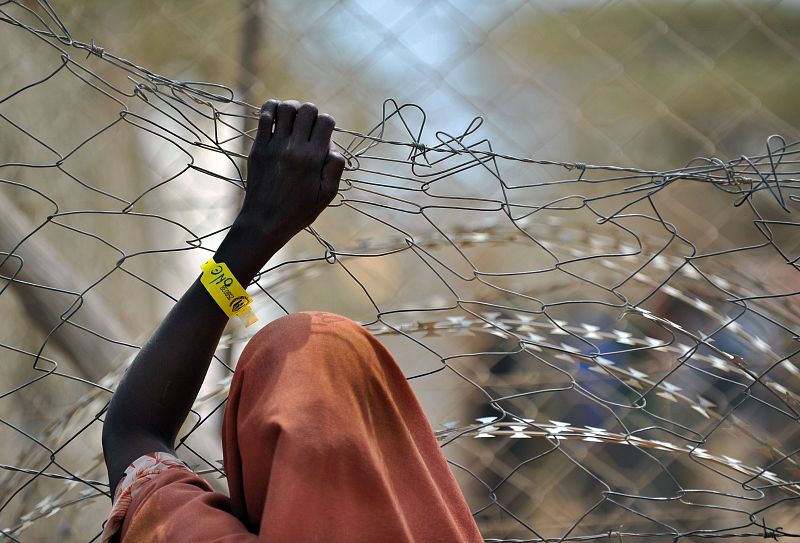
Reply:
x=323, y=440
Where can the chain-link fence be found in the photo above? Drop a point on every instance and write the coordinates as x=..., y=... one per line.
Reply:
x=600, y=326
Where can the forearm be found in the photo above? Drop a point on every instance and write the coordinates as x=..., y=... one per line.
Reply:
x=292, y=176
x=159, y=388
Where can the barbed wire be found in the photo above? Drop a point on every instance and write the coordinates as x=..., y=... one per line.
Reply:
x=614, y=371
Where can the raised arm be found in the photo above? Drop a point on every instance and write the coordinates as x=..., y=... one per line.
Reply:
x=292, y=176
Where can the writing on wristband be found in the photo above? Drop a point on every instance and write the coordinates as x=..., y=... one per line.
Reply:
x=229, y=294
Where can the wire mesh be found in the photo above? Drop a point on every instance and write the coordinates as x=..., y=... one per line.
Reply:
x=605, y=352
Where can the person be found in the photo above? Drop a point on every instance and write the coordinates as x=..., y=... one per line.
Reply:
x=323, y=439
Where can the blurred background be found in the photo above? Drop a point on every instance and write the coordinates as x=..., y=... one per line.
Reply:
x=109, y=174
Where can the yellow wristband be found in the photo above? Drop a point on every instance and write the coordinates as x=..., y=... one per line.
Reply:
x=229, y=294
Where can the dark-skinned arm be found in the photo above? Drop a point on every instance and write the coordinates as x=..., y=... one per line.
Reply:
x=292, y=176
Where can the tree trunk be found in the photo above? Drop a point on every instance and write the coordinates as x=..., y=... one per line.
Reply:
x=92, y=356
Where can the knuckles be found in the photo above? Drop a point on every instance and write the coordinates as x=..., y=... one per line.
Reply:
x=302, y=151
x=268, y=106
x=294, y=157
x=307, y=108
x=288, y=105
x=327, y=118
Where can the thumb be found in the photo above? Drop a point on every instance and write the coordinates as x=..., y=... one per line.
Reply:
x=332, y=173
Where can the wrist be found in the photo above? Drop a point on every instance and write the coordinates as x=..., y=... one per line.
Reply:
x=247, y=247
x=266, y=233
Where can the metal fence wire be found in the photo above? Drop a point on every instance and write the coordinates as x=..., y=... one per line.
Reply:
x=606, y=348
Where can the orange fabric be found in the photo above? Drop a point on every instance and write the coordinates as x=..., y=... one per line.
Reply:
x=323, y=441
x=138, y=473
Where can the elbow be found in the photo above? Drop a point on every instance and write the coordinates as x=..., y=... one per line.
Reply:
x=111, y=426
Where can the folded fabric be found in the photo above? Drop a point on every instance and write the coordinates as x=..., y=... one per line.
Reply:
x=323, y=440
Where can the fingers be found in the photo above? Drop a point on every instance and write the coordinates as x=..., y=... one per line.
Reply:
x=323, y=128
x=266, y=120
x=332, y=173
x=285, y=117
x=304, y=122
x=291, y=119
